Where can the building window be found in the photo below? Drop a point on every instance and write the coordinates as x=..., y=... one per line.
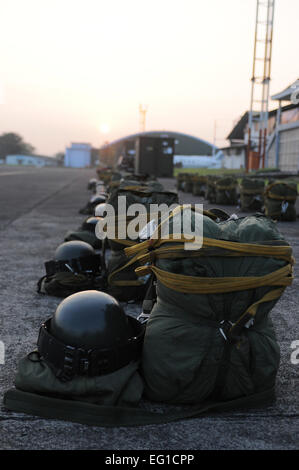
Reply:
x=290, y=115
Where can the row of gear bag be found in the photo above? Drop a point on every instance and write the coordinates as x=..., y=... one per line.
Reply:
x=96, y=365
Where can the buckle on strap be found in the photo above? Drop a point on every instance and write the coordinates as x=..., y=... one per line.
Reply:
x=66, y=372
x=231, y=331
x=76, y=265
x=84, y=361
x=143, y=317
x=103, y=361
x=225, y=328
x=69, y=268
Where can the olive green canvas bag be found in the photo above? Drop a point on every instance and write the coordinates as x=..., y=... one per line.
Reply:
x=252, y=194
x=209, y=335
x=280, y=200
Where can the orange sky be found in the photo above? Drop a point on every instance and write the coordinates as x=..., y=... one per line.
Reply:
x=68, y=67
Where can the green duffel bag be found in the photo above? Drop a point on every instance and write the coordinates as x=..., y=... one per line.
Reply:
x=63, y=284
x=107, y=176
x=123, y=283
x=139, y=177
x=86, y=233
x=210, y=193
x=137, y=185
x=252, y=194
x=133, y=195
x=226, y=190
x=209, y=336
x=123, y=387
x=199, y=186
x=84, y=236
x=188, y=183
x=280, y=200
x=179, y=181
x=75, y=267
x=88, y=351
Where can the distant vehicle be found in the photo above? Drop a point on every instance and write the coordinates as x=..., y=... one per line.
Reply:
x=200, y=161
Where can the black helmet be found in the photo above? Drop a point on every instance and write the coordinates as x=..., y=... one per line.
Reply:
x=102, y=194
x=90, y=224
x=97, y=199
x=92, y=183
x=218, y=214
x=73, y=250
x=74, y=256
x=89, y=334
x=93, y=201
x=101, y=209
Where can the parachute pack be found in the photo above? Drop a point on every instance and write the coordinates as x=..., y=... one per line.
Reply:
x=226, y=190
x=199, y=185
x=86, y=233
x=210, y=193
x=209, y=344
x=204, y=340
x=122, y=280
x=252, y=194
x=209, y=335
x=280, y=200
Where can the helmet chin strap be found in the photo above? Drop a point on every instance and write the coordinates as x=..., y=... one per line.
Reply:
x=68, y=361
x=76, y=265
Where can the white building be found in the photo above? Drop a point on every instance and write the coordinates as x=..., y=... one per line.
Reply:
x=283, y=128
x=78, y=155
x=282, y=149
x=234, y=157
x=199, y=161
x=33, y=160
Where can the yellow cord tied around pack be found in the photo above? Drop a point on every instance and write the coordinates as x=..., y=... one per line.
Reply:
x=225, y=187
x=258, y=191
x=269, y=194
x=153, y=249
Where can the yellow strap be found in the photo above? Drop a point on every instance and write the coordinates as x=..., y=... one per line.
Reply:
x=244, y=249
x=271, y=195
x=277, y=183
x=126, y=283
x=178, y=251
x=122, y=241
x=147, y=249
x=217, y=285
x=137, y=188
x=227, y=187
x=259, y=191
x=151, y=249
x=112, y=282
x=272, y=295
x=114, y=184
x=280, y=198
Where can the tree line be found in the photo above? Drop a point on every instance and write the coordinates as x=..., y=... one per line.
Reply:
x=13, y=144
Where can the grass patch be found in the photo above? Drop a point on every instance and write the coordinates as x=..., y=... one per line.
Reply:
x=226, y=171
x=206, y=171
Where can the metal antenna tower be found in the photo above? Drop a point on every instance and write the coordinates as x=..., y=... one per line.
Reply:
x=142, y=115
x=259, y=102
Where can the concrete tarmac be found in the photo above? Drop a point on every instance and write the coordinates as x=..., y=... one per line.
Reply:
x=38, y=206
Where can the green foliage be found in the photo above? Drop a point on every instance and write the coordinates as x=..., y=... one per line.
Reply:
x=11, y=144
x=206, y=171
